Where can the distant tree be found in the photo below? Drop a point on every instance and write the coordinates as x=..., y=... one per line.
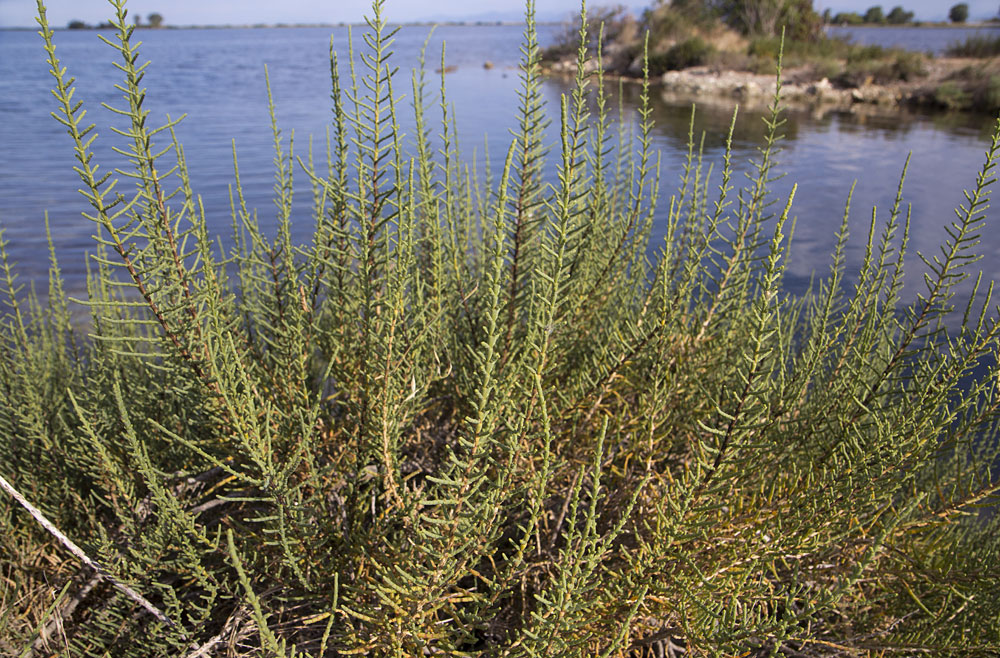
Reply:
x=751, y=17
x=849, y=18
x=138, y=20
x=959, y=13
x=767, y=17
x=620, y=27
x=827, y=15
x=77, y=25
x=155, y=20
x=899, y=16
x=875, y=15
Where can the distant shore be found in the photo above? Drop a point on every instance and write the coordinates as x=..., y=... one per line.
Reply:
x=922, y=24
x=276, y=26
x=715, y=63
x=800, y=87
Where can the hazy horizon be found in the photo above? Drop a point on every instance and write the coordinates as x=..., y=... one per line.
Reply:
x=21, y=13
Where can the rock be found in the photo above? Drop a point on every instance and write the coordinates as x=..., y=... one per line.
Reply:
x=875, y=95
x=821, y=88
x=749, y=89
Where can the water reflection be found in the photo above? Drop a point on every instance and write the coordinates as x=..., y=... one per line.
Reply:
x=826, y=151
x=934, y=40
x=216, y=76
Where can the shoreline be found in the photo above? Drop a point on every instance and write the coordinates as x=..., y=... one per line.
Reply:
x=800, y=87
x=919, y=25
x=283, y=26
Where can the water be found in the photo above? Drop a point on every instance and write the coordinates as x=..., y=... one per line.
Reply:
x=934, y=40
x=216, y=77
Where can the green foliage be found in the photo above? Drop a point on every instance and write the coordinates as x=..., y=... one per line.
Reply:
x=848, y=18
x=483, y=418
x=874, y=15
x=959, y=13
x=797, y=18
x=873, y=64
x=976, y=45
x=899, y=16
x=615, y=22
x=798, y=53
x=908, y=65
x=990, y=99
x=850, y=64
x=772, y=47
x=971, y=88
x=952, y=96
x=690, y=52
x=675, y=19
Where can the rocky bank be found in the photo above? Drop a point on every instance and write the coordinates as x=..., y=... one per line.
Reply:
x=799, y=86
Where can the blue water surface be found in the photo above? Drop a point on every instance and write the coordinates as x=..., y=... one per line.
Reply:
x=934, y=40
x=216, y=78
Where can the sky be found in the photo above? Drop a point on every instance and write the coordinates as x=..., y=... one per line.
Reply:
x=217, y=12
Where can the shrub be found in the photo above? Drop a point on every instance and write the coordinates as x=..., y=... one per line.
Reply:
x=467, y=421
x=959, y=13
x=874, y=15
x=619, y=27
x=763, y=52
x=690, y=52
x=908, y=66
x=848, y=18
x=874, y=64
x=799, y=51
x=971, y=88
x=851, y=64
x=899, y=16
x=976, y=46
x=991, y=95
x=678, y=19
x=952, y=96
x=797, y=19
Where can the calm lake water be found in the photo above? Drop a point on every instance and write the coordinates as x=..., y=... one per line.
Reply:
x=216, y=77
x=922, y=39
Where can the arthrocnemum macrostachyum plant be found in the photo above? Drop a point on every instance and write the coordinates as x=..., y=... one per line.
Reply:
x=492, y=419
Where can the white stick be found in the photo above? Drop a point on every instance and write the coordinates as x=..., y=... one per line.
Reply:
x=77, y=551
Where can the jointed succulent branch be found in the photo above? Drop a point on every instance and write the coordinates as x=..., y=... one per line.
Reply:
x=493, y=417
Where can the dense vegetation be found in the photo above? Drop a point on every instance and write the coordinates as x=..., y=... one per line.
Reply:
x=976, y=45
x=155, y=21
x=874, y=15
x=492, y=417
x=737, y=34
x=720, y=37
x=959, y=13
